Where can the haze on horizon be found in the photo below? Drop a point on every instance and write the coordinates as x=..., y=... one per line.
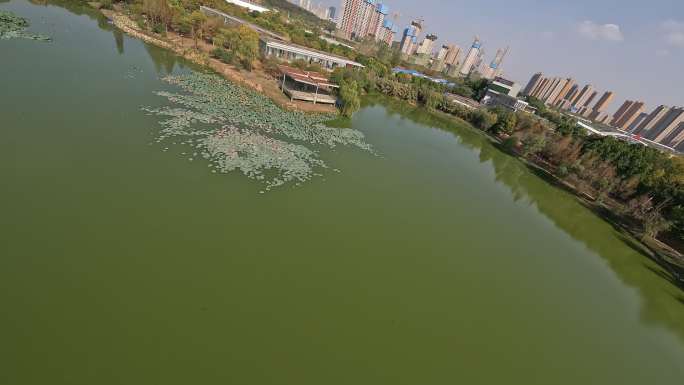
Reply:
x=635, y=49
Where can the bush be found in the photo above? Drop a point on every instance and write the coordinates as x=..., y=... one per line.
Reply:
x=510, y=144
x=159, y=28
x=349, y=95
x=483, y=119
x=223, y=55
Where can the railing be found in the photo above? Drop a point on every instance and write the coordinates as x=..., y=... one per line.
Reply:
x=229, y=18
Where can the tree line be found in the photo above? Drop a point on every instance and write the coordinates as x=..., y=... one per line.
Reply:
x=642, y=185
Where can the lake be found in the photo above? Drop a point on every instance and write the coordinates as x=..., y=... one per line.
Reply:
x=437, y=260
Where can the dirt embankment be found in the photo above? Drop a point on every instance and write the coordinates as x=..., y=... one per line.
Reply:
x=199, y=54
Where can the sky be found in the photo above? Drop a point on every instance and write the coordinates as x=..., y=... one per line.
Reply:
x=634, y=48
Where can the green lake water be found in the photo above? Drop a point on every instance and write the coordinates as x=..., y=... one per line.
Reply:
x=439, y=261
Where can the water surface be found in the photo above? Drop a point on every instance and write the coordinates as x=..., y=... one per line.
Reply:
x=441, y=261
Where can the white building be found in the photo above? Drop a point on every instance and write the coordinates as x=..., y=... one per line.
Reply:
x=472, y=59
x=291, y=52
x=248, y=5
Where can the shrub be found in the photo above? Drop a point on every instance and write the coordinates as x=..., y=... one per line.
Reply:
x=483, y=119
x=349, y=95
x=159, y=28
x=223, y=55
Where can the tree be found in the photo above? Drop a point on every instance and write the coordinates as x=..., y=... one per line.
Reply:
x=158, y=11
x=195, y=20
x=349, y=96
x=651, y=217
x=483, y=119
x=478, y=87
x=532, y=143
x=210, y=27
x=506, y=122
x=248, y=47
x=537, y=104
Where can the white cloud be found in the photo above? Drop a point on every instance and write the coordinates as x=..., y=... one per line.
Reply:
x=594, y=31
x=674, y=33
x=662, y=53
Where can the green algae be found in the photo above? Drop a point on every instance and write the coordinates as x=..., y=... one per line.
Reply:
x=13, y=27
x=235, y=128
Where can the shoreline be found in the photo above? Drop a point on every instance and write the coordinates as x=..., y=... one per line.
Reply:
x=256, y=80
x=666, y=256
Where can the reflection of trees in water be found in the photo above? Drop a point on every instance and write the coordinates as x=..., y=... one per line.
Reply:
x=660, y=304
x=119, y=39
x=79, y=8
x=164, y=60
x=662, y=301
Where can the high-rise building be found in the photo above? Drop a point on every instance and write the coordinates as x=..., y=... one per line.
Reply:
x=349, y=17
x=387, y=32
x=676, y=137
x=590, y=99
x=446, y=58
x=653, y=118
x=556, y=91
x=621, y=111
x=605, y=118
x=306, y=4
x=557, y=98
x=627, y=113
x=427, y=45
x=452, y=61
x=533, y=83
x=453, y=55
x=541, y=87
x=564, y=103
x=603, y=103
x=494, y=68
x=631, y=115
x=550, y=83
x=377, y=20
x=361, y=18
x=666, y=125
x=584, y=109
x=544, y=96
x=472, y=59
x=582, y=97
x=410, y=39
x=442, y=52
x=640, y=119
x=332, y=13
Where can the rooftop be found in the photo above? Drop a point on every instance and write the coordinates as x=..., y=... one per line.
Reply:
x=308, y=77
x=248, y=5
x=308, y=51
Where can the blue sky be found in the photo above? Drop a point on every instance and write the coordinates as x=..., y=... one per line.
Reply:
x=635, y=48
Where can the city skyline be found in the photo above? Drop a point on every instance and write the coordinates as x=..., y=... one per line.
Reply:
x=603, y=43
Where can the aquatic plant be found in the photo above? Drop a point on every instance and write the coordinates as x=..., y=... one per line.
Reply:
x=238, y=129
x=254, y=154
x=13, y=26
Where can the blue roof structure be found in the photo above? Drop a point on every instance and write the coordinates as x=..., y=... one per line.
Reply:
x=399, y=70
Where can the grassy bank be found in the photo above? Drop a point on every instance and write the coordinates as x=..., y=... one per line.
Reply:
x=608, y=208
x=201, y=52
